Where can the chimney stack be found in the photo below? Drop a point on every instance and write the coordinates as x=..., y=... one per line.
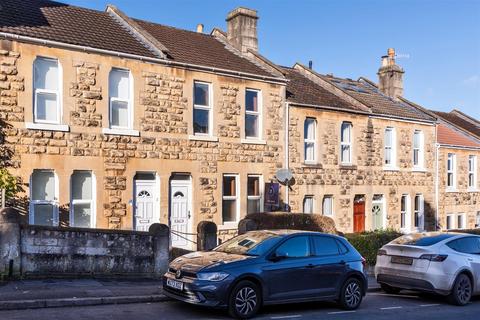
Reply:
x=390, y=76
x=199, y=28
x=242, y=29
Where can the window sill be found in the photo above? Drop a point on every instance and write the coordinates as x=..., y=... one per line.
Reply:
x=473, y=190
x=391, y=169
x=451, y=190
x=203, y=138
x=347, y=166
x=419, y=169
x=47, y=126
x=253, y=141
x=121, y=132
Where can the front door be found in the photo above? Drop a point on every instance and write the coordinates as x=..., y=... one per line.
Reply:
x=145, y=208
x=377, y=212
x=180, y=214
x=359, y=214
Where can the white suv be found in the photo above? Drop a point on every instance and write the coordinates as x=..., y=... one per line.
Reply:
x=443, y=263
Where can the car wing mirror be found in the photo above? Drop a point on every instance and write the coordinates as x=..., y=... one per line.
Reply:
x=277, y=256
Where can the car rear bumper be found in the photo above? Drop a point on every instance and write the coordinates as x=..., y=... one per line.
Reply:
x=411, y=283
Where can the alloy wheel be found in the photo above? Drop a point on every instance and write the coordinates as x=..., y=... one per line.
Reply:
x=353, y=294
x=464, y=290
x=245, y=300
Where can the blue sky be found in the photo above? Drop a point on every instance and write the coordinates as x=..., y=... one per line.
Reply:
x=438, y=41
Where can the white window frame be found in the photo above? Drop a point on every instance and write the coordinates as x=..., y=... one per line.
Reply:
x=346, y=143
x=129, y=101
x=332, y=199
x=420, y=150
x=209, y=108
x=53, y=203
x=472, y=172
x=91, y=202
x=313, y=203
x=452, y=159
x=407, y=213
x=450, y=217
x=236, y=198
x=307, y=140
x=260, y=190
x=255, y=113
x=477, y=220
x=462, y=216
x=58, y=92
x=392, y=149
x=420, y=212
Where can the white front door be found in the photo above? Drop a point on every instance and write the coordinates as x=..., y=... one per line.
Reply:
x=180, y=214
x=145, y=204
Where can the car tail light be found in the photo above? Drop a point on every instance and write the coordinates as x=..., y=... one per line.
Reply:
x=382, y=252
x=434, y=257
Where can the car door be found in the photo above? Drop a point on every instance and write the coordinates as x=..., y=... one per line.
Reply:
x=469, y=249
x=289, y=278
x=328, y=265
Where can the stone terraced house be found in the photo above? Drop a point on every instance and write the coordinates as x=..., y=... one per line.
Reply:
x=115, y=122
x=358, y=152
x=458, y=188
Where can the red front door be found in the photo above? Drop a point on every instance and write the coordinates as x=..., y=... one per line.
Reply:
x=359, y=214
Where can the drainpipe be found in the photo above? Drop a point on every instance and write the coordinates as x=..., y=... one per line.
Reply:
x=287, y=128
x=437, y=184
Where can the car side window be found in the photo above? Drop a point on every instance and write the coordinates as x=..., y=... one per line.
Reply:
x=325, y=246
x=296, y=247
x=469, y=245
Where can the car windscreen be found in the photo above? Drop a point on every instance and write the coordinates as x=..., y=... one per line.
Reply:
x=421, y=239
x=252, y=243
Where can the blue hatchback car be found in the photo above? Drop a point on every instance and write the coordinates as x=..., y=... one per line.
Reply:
x=269, y=267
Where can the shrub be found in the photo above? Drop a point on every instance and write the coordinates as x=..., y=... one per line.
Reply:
x=368, y=243
x=287, y=220
x=9, y=183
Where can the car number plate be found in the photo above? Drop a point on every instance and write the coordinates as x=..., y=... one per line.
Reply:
x=175, y=284
x=402, y=260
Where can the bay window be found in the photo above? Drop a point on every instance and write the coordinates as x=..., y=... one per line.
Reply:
x=43, y=198
x=82, y=208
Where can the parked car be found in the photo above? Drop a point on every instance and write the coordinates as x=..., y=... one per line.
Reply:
x=443, y=263
x=269, y=267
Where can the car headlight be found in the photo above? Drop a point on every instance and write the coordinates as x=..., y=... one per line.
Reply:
x=212, y=276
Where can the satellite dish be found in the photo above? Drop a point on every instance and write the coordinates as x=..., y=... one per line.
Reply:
x=284, y=176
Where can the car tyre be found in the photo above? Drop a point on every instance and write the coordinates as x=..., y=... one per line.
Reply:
x=390, y=289
x=461, y=291
x=351, y=294
x=245, y=300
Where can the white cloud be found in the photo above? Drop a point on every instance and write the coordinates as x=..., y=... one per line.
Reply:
x=472, y=81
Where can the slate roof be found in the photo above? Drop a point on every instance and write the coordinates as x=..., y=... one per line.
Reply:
x=61, y=22
x=463, y=122
x=302, y=90
x=450, y=136
x=380, y=104
x=199, y=48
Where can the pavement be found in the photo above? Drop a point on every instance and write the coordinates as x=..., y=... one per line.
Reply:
x=49, y=293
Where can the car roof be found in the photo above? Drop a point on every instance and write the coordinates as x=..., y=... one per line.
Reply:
x=287, y=232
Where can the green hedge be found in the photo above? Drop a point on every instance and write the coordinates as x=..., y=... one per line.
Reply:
x=368, y=243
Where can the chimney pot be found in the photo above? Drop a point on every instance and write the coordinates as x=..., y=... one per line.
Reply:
x=200, y=28
x=242, y=29
x=310, y=64
x=390, y=76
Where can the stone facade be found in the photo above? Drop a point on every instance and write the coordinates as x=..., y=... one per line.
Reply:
x=367, y=175
x=165, y=144
x=460, y=200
